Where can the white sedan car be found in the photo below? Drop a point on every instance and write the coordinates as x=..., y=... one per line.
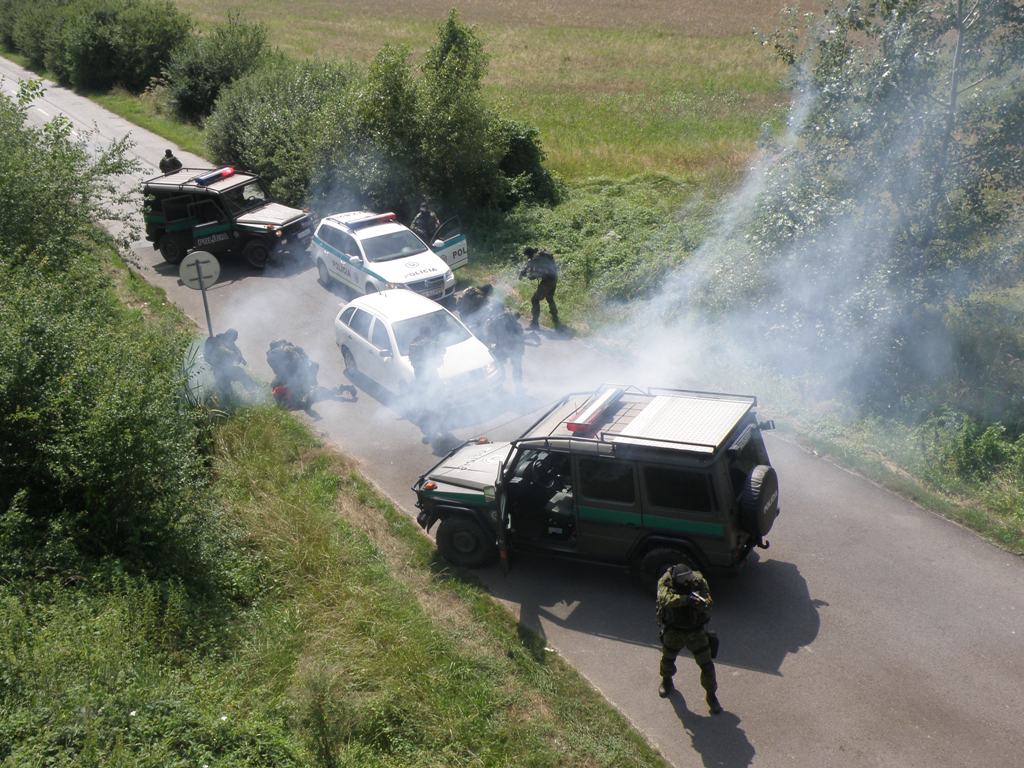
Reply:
x=374, y=331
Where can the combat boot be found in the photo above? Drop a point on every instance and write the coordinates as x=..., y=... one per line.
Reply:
x=666, y=687
x=713, y=705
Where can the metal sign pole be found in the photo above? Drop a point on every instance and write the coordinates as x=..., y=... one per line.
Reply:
x=202, y=290
x=197, y=280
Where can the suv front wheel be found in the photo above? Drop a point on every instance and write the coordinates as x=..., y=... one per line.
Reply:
x=256, y=253
x=462, y=542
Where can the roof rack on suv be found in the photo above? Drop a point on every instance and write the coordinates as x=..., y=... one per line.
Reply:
x=692, y=421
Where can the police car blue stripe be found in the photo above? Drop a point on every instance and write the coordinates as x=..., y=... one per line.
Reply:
x=358, y=264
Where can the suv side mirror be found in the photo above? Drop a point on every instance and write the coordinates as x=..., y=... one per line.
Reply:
x=766, y=425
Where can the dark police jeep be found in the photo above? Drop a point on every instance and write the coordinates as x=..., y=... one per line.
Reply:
x=220, y=210
x=641, y=478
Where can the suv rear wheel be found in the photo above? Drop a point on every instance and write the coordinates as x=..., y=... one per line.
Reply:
x=173, y=247
x=655, y=562
x=462, y=542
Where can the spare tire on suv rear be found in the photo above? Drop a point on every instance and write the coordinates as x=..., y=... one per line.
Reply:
x=759, y=502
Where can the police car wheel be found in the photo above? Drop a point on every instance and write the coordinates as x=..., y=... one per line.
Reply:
x=322, y=275
x=350, y=362
x=462, y=542
x=654, y=563
x=256, y=253
x=173, y=248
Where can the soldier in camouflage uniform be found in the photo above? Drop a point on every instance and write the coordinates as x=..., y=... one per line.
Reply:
x=683, y=610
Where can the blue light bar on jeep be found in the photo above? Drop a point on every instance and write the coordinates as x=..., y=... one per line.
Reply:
x=212, y=176
x=591, y=411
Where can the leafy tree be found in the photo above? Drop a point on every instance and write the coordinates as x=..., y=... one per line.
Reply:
x=280, y=136
x=200, y=68
x=890, y=199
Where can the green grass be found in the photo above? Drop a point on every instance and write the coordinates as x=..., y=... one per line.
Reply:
x=356, y=649
x=145, y=112
x=643, y=96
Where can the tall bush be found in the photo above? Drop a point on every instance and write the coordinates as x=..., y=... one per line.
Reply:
x=273, y=120
x=101, y=461
x=199, y=69
x=96, y=44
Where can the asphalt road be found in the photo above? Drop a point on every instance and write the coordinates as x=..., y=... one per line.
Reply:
x=871, y=633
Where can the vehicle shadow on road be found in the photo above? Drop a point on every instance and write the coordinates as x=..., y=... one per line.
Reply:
x=762, y=615
x=718, y=739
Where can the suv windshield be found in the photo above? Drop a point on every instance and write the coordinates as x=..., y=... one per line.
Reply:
x=245, y=198
x=448, y=330
x=394, y=245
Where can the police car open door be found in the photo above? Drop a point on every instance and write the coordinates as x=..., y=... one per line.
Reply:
x=450, y=244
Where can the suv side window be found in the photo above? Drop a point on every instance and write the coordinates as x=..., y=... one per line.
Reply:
x=380, y=337
x=607, y=480
x=676, y=489
x=361, y=323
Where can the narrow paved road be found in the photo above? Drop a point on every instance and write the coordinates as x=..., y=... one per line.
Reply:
x=872, y=633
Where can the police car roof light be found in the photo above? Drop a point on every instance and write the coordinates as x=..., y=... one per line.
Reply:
x=371, y=221
x=588, y=414
x=212, y=176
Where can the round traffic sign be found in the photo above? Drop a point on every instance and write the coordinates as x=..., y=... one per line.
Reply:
x=199, y=270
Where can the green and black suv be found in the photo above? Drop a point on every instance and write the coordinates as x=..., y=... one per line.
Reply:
x=624, y=476
x=220, y=210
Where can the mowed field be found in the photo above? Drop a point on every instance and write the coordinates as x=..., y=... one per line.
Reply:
x=672, y=86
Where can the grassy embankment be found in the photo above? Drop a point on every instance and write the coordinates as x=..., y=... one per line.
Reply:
x=345, y=644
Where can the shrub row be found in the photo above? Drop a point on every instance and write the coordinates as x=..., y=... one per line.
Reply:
x=383, y=138
x=95, y=44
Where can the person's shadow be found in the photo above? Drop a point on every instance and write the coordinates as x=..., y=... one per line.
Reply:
x=718, y=739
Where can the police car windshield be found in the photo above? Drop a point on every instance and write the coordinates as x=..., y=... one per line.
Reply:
x=394, y=245
x=245, y=198
x=447, y=330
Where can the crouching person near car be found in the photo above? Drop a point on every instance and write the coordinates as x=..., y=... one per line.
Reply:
x=683, y=611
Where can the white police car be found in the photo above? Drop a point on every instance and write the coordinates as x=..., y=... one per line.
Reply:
x=373, y=333
x=371, y=252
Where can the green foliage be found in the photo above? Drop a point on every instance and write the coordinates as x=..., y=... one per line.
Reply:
x=32, y=26
x=273, y=119
x=94, y=44
x=101, y=462
x=199, y=69
x=383, y=139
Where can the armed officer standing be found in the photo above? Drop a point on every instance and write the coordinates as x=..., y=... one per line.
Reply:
x=540, y=266
x=684, y=610
x=426, y=223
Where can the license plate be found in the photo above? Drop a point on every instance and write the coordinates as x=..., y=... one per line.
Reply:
x=433, y=294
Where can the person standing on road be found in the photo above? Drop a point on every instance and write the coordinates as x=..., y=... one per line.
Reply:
x=506, y=335
x=683, y=611
x=540, y=265
x=426, y=223
x=169, y=163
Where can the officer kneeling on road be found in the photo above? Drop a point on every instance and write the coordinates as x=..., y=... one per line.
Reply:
x=684, y=609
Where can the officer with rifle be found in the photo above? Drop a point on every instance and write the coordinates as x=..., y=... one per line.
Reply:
x=683, y=612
